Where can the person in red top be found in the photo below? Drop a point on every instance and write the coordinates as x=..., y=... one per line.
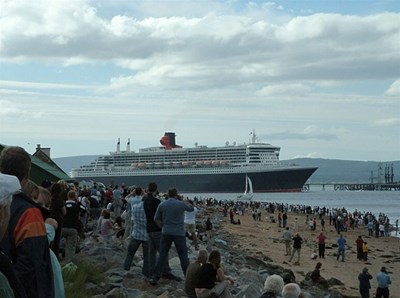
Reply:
x=359, y=242
x=108, y=197
x=321, y=245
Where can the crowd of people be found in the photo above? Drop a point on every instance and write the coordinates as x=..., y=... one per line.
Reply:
x=41, y=227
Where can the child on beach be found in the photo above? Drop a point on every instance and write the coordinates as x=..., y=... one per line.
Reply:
x=365, y=251
x=107, y=225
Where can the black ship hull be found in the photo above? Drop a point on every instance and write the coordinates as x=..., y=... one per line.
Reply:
x=277, y=180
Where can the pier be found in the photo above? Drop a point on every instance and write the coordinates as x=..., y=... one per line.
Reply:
x=353, y=186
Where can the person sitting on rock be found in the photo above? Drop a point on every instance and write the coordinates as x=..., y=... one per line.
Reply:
x=273, y=286
x=317, y=278
x=192, y=273
x=212, y=280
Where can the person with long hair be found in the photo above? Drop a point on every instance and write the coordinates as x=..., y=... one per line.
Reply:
x=212, y=279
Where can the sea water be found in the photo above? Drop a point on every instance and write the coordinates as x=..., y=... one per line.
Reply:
x=387, y=202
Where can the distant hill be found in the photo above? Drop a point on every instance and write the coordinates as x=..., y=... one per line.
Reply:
x=345, y=171
x=74, y=162
x=329, y=170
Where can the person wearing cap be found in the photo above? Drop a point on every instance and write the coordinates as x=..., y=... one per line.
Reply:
x=10, y=286
x=384, y=281
x=25, y=240
x=364, y=277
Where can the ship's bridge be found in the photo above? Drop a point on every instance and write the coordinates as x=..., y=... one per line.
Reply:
x=265, y=154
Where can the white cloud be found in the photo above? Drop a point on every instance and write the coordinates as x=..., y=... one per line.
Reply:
x=12, y=110
x=199, y=66
x=34, y=85
x=223, y=48
x=388, y=122
x=309, y=132
x=288, y=90
x=394, y=89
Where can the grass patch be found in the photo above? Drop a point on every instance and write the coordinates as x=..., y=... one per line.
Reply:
x=76, y=276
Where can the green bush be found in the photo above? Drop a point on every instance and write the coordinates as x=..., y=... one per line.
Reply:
x=77, y=275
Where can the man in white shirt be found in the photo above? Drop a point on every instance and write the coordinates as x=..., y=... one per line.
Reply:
x=190, y=225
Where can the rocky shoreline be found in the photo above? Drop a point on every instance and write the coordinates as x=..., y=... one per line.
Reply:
x=242, y=258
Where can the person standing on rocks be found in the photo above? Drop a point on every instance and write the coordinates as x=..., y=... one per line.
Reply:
x=150, y=205
x=190, y=225
x=287, y=237
x=384, y=281
x=139, y=232
x=192, y=273
x=170, y=217
x=71, y=225
x=297, y=241
x=364, y=277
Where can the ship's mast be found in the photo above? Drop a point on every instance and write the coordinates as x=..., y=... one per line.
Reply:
x=128, y=146
x=118, y=146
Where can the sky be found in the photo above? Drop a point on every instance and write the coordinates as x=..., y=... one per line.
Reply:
x=319, y=79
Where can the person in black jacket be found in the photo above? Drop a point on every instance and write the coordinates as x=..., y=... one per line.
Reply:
x=9, y=283
x=364, y=277
x=71, y=226
x=150, y=204
x=25, y=241
x=297, y=241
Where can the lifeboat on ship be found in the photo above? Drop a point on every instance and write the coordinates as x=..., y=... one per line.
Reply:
x=215, y=163
x=158, y=165
x=185, y=163
x=207, y=162
x=199, y=163
x=134, y=165
x=141, y=165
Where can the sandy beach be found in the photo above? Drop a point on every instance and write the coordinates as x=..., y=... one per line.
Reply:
x=263, y=238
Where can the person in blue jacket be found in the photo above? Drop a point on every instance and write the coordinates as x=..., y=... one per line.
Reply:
x=384, y=281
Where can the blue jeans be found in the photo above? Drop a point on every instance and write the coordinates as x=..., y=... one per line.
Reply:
x=154, y=247
x=181, y=248
x=132, y=248
x=340, y=252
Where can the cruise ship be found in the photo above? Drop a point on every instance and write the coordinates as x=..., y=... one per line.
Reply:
x=198, y=169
